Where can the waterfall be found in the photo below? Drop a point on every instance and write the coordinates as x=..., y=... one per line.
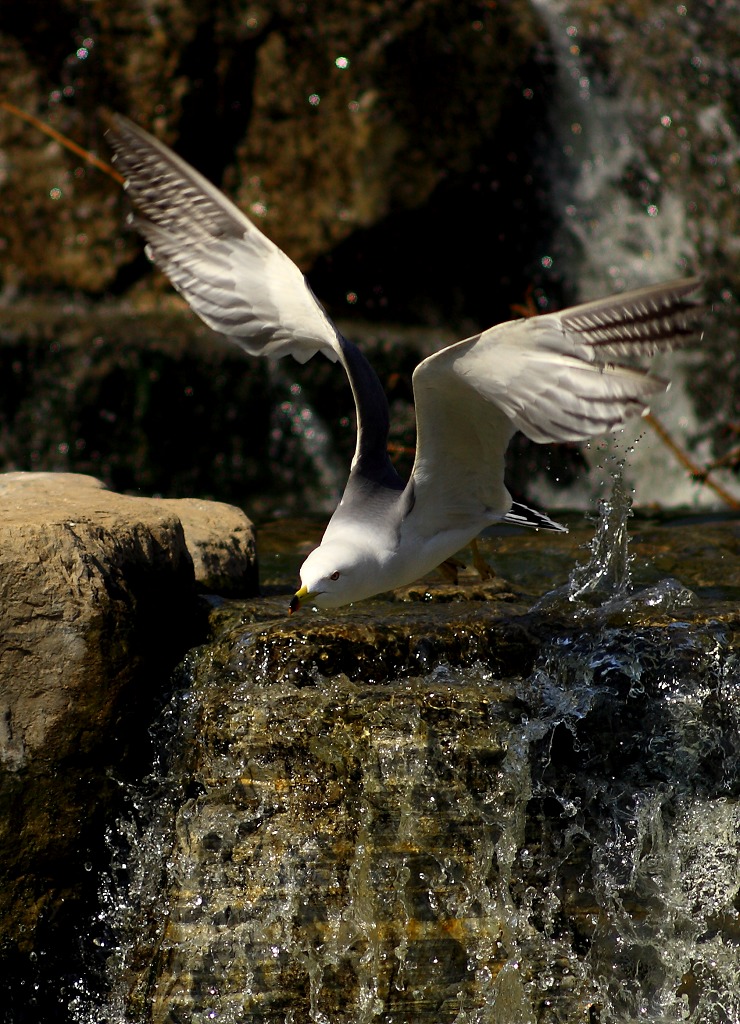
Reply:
x=624, y=222
x=462, y=845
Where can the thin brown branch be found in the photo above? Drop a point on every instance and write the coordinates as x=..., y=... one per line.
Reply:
x=529, y=307
x=63, y=140
x=696, y=471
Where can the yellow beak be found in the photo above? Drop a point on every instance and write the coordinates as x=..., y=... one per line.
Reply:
x=304, y=594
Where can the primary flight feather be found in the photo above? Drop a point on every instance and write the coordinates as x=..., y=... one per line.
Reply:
x=555, y=377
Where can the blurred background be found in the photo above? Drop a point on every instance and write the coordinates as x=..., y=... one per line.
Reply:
x=433, y=167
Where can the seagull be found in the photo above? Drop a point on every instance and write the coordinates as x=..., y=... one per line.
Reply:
x=555, y=376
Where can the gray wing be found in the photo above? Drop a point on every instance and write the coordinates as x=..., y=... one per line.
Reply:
x=554, y=377
x=239, y=282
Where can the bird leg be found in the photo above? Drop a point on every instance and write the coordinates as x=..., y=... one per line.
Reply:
x=451, y=566
x=449, y=569
x=483, y=568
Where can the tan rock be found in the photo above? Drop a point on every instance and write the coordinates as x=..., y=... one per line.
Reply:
x=97, y=602
x=221, y=542
x=76, y=567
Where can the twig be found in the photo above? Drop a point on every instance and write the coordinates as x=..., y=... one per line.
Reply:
x=62, y=140
x=702, y=475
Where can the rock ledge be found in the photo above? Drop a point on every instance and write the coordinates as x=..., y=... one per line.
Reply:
x=98, y=600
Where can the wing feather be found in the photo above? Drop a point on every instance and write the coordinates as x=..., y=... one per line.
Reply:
x=550, y=376
x=651, y=319
x=234, y=277
x=240, y=283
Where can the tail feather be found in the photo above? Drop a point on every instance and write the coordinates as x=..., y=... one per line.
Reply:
x=521, y=515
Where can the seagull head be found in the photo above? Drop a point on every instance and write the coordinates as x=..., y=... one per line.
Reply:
x=337, y=572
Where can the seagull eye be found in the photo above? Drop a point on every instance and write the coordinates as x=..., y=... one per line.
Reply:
x=335, y=575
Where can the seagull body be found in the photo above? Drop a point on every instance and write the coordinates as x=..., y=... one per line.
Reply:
x=555, y=377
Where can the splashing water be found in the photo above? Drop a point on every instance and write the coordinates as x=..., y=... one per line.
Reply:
x=601, y=588
x=647, y=777
x=452, y=847
x=606, y=574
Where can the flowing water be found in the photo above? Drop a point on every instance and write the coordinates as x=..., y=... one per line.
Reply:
x=642, y=101
x=321, y=842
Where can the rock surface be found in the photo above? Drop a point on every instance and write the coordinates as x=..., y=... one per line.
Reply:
x=221, y=543
x=453, y=810
x=361, y=805
x=313, y=115
x=97, y=601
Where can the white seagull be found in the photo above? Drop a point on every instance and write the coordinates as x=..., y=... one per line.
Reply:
x=554, y=377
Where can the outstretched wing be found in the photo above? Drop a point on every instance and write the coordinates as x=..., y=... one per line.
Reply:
x=553, y=377
x=239, y=282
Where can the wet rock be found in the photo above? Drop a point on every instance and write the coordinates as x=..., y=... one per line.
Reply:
x=347, y=826
x=376, y=648
x=98, y=599
x=471, y=589
x=440, y=807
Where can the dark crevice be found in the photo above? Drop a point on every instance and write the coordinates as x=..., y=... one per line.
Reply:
x=218, y=106
x=474, y=248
